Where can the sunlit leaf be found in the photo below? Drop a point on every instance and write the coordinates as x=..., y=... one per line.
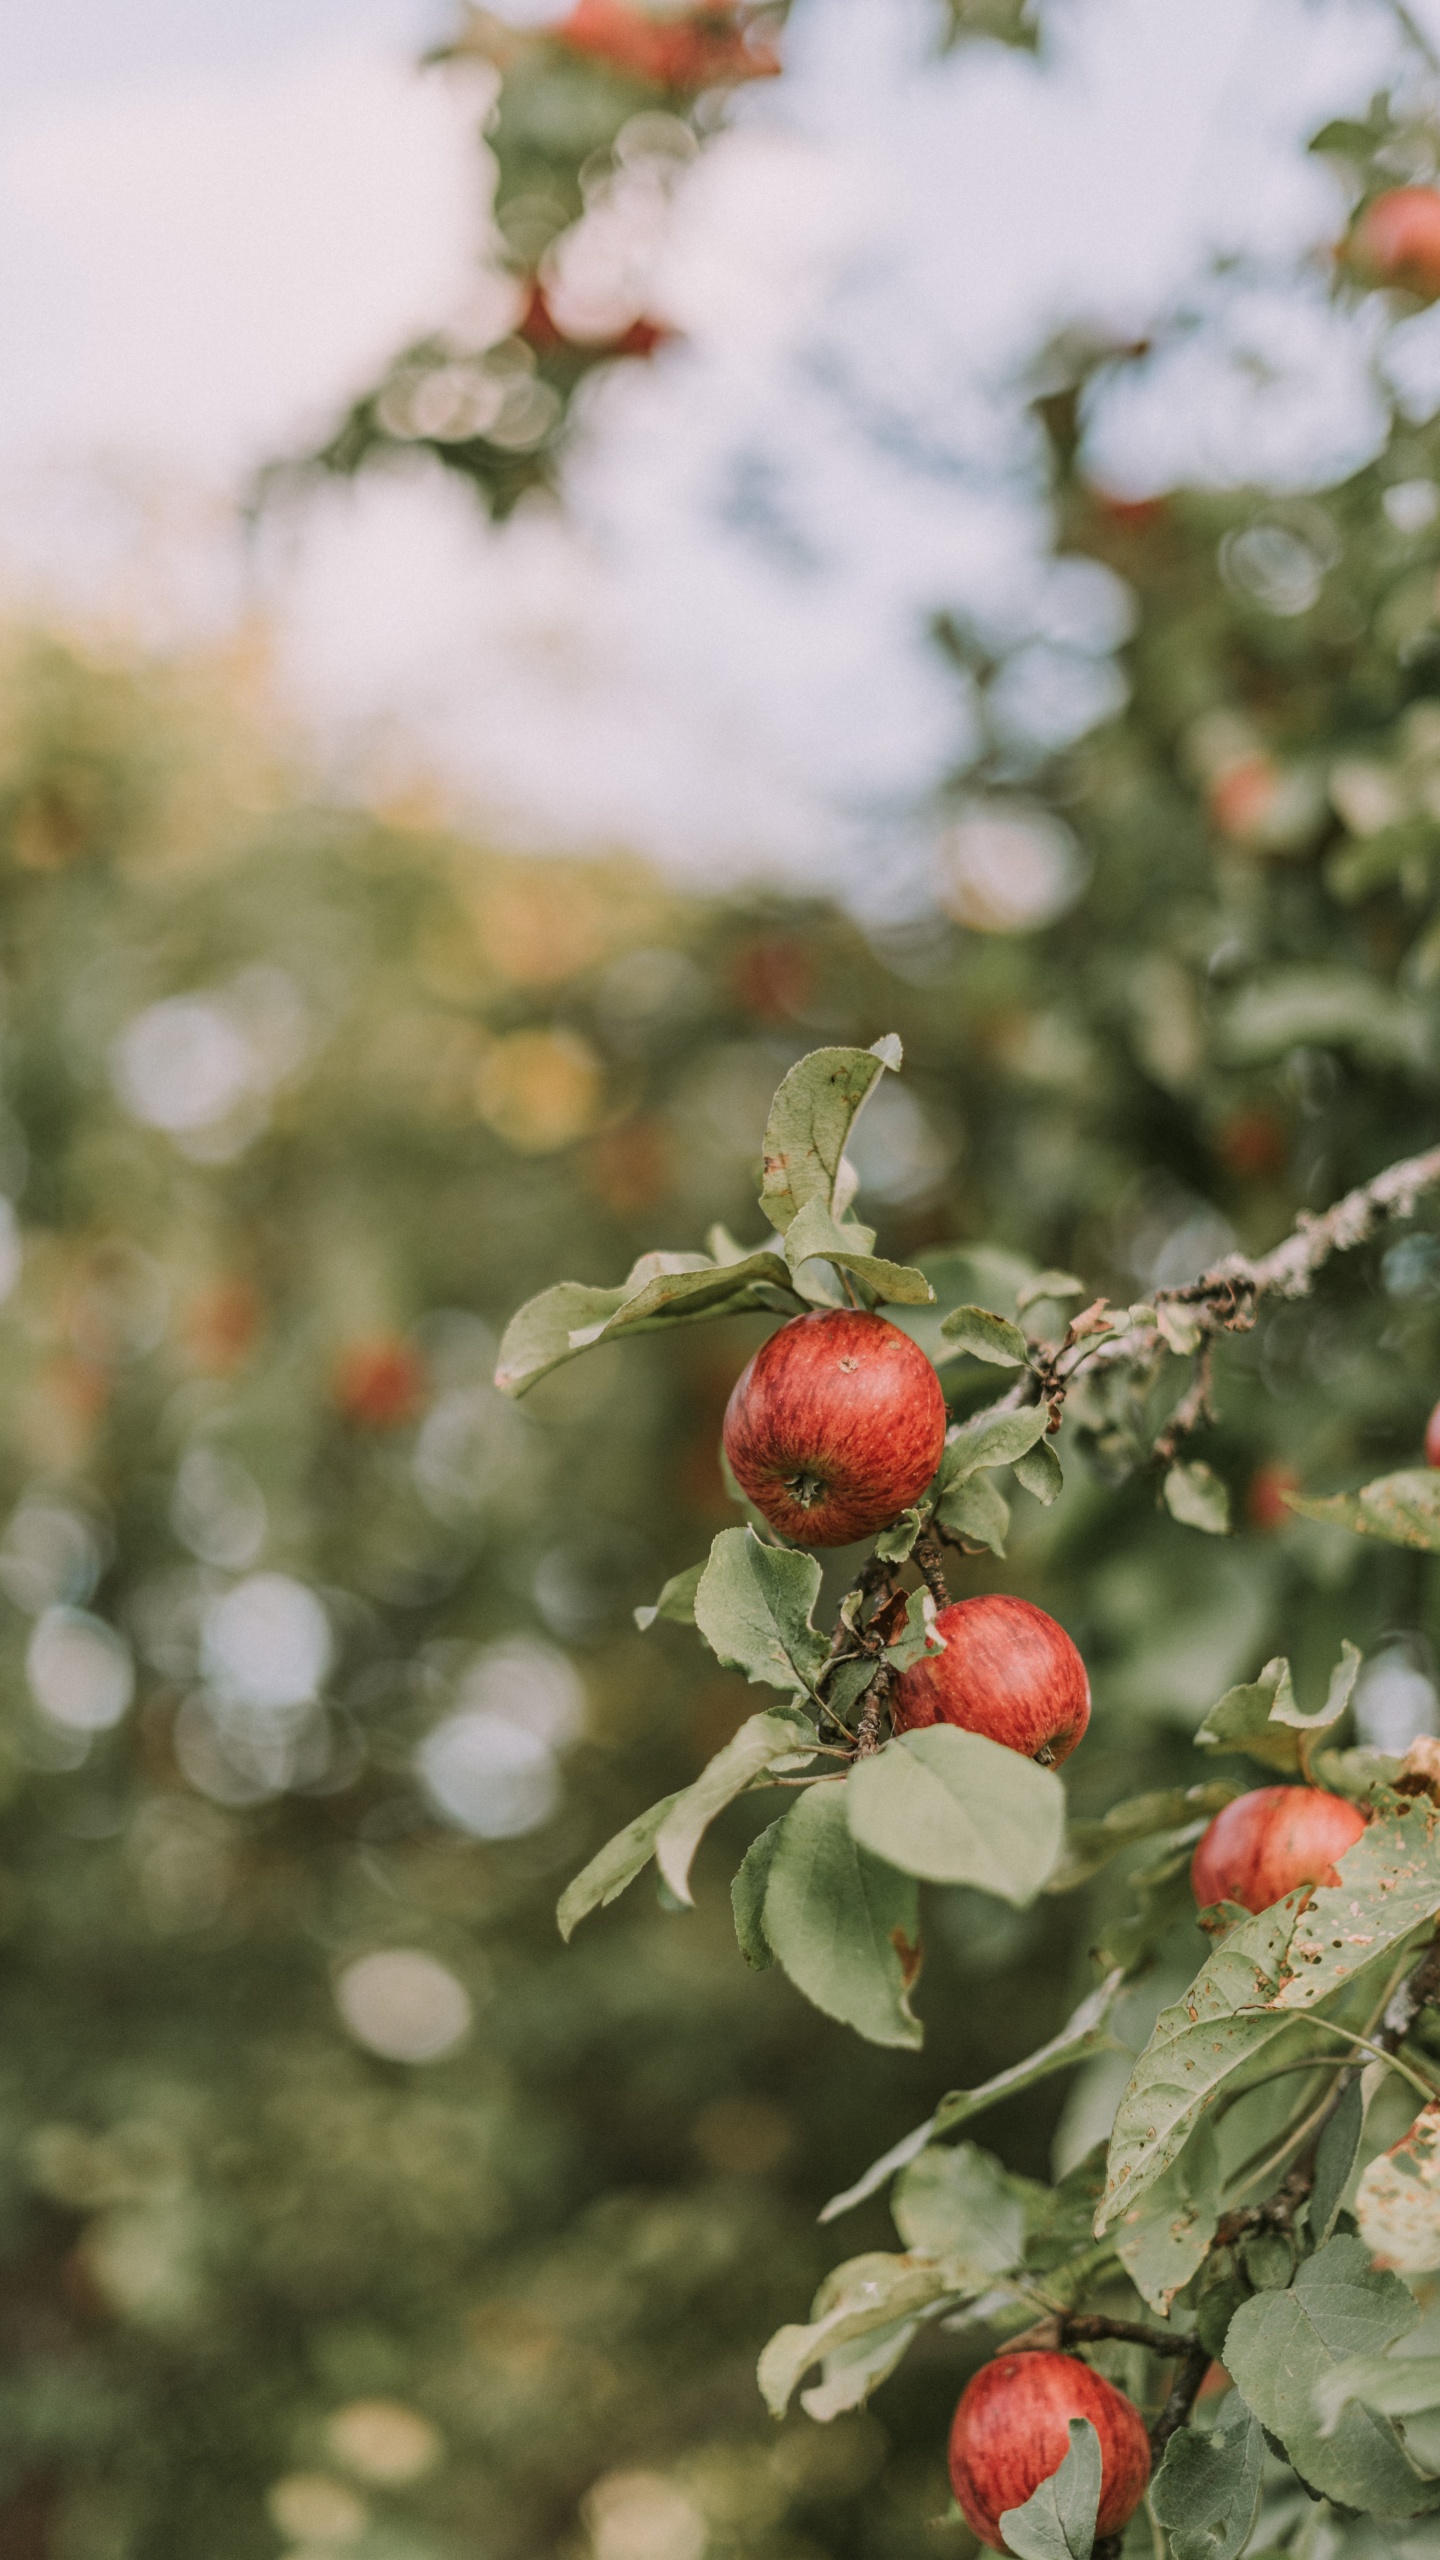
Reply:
x=1195, y=1495
x=864, y=2294
x=810, y=1121
x=676, y=1601
x=753, y=1607
x=986, y=1337
x=612, y=1868
x=773, y=1740
x=1263, y=1719
x=814, y=1235
x=957, y=1808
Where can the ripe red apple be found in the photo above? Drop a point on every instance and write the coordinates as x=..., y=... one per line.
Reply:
x=837, y=1424
x=379, y=1384
x=1007, y=1670
x=1260, y=1847
x=1012, y=2430
x=1397, y=240
x=1432, y=1439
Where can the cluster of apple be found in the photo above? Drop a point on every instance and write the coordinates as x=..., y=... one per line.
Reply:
x=836, y=1427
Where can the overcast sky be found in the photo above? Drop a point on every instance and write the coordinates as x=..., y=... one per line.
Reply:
x=217, y=222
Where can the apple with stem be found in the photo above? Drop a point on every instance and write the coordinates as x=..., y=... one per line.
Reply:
x=836, y=1427
x=1266, y=1843
x=1007, y=1671
x=1012, y=2430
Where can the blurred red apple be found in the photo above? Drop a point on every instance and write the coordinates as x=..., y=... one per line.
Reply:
x=1432, y=1438
x=1260, y=1847
x=1008, y=1671
x=835, y=1427
x=1012, y=2430
x=1265, y=1503
x=1397, y=241
x=379, y=1384
x=695, y=49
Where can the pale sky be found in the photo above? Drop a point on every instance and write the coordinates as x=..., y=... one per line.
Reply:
x=216, y=223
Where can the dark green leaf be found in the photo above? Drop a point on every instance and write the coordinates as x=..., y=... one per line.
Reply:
x=1039, y=1471
x=810, y=1120
x=1058, y=2521
x=612, y=1867
x=1281, y=2348
x=1089, y=1845
x=676, y=1601
x=1195, y=1495
x=1403, y=1508
x=957, y=1808
x=752, y=1607
x=986, y=1336
x=1206, y=2492
x=845, y=1927
x=778, y=1739
x=1334, y=2160
x=747, y=1896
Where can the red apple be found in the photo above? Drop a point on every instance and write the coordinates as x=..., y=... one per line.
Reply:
x=1264, y=1844
x=835, y=1427
x=1397, y=240
x=1007, y=1670
x=1432, y=1439
x=379, y=1384
x=1012, y=2430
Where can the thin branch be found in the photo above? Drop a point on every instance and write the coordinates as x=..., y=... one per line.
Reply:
x=1197, y=1405
x=930, y=1563
x=1184, y=2393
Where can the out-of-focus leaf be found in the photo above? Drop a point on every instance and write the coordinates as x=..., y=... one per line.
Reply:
x=1056, y=1285
x=1335, y=2155
x=957, y=1808
x=1263, y=1719
x=1195, y=1495
x=810, y=1121
x=662, y=1289
x=1396, y=2386
x=957, y=2203
x=849, y=2373
x=845, y=1927
x=986, y=1337
x=753, y=1605
x=1083, y=2034
x=1163, y=2238
x=975, y=1509
x=1397, y=2203
x=747, y=1896
x=778, y=1739
x=1325, y=1009
x=1206, y=2492
x=1040, y=1472
x=1090, y=1845
x=814, y=1235
x=1057, y=2522
x=1282, y=2347
x=1404, y=1509
x=612, y=1867
x=864, y=2294
x=676, y=1601
x=1162, y=1898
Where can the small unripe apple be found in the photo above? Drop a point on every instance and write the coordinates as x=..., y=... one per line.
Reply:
x=1012, y=2430
x=836, y=1427
x=1397, y=241
x=1007, y=1670
x=1260, y=1847
x=1432, y=1439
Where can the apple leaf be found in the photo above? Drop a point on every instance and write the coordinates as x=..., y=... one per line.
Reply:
x=662, y=1289
x=814, y=1235
x=1403, y=1508
x=1281, y=2347
x=1206, y=2492
x=1389, y=1885
x=1055, y=1285
x=1163, y=2237
x=1396, y=2386
x=993, y=1439
x=1195, y=1495
x=753, y=1605
x=986, y=1337
x=1262, y=1719
x=1084, y=2033
x=864, y=2294
x=778, y=1739
x=976, y=1509
x=894, y=1544
x=676, y=1601
x=957, y=2203
x=1397, y=2203
x=747, y=1897
x=845, y=1927
x=1058, y=2521
x=851, y=2371
x=1090, y=1845
x=1335, y=2156
x=917, y=1640
x=810, y=1120
x=957, y=1808
x=1040, y=1472
x=612, y=1868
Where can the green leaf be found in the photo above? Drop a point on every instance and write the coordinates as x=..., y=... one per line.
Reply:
x=814, y=1235
x=1083, y=2034
x=1163, y=2238
x=1262, y=1718
x=676, y=1601
x=1196, y=2045
x=1389, y=1885
x=1090, y=1845
x=1397, y=2203
x=1281, y=2347
x=662, y=1289
x=851, y=2371
x=747, y=1896
x=1162, y=1900
x=1195, y=1495
x=1396, y=2386
x=894, y=1544
x=845, y=1927
x=753, y=1608
x=1335, y=2156
x=992, y=1439
x=986, y=1337
x=1056, y=1285
x=957, y=1808
x=957, y=2203
x=612, y=1868
x=1325, y=1009
x=1058, y=2521
x=864, y=2294
x=1040, y=1472
x=775, y=1740
x=810, y=1120
x=1404, y=1509
x=1206, y=2492
x=976, y=1509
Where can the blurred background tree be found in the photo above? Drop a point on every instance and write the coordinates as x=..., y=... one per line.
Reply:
x=344, y=2211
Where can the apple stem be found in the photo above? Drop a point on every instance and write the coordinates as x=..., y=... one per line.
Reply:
x=931, y=1565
